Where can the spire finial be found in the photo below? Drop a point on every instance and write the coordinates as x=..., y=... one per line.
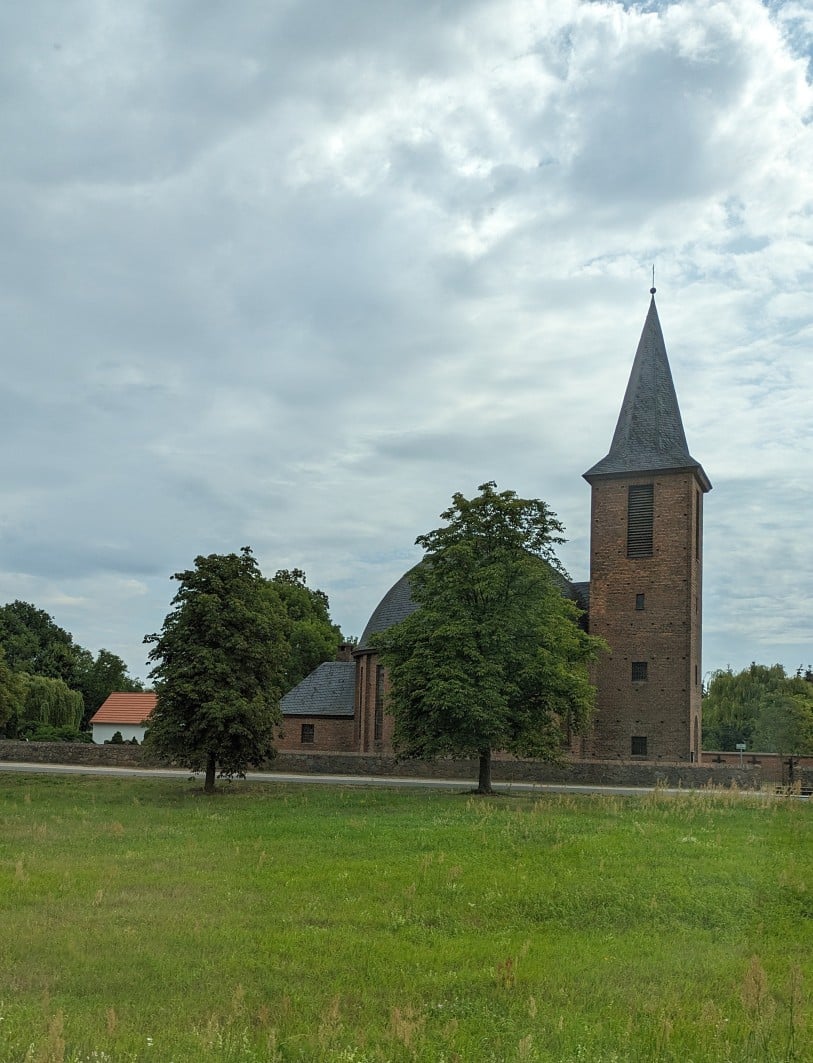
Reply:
x=653, y=289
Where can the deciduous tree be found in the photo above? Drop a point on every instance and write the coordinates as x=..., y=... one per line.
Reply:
x=219, y=668
x=311, y=635
x=494, y=658
x=36, y=645
x=99, y=677
x=12, y=697
x=761, y=706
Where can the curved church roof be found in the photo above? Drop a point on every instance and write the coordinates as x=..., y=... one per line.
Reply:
x=395, y=606
x=398, y=603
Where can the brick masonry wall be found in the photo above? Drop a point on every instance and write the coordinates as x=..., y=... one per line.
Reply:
x=329, y=733
x=665, y=634
x=773, y=767
x=367, y=665
x=586, y=773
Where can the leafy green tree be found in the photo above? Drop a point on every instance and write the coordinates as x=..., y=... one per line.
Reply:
x=786, y=725
x=12, y=697
x=99, y=677
x=760, y=706
x=311, y=635
x=35, y=644
x=217, y=669
x=494, y=658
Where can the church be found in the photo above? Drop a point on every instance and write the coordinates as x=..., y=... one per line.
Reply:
x=644, y=598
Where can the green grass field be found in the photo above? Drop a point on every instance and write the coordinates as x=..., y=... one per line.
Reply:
x=140, y=920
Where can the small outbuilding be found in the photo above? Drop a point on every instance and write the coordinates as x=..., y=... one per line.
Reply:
x=127, y=713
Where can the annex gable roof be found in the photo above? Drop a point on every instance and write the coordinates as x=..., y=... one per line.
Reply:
x=328, y=691
x=125, y=708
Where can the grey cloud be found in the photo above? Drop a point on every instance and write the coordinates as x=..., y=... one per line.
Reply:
x=55, y=555
x=219, y=330
x=653, y=137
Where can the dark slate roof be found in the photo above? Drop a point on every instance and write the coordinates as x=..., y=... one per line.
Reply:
x=395, y=606
x=328, y=691
x=649, y=435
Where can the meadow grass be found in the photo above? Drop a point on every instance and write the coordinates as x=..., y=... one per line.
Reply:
x=140, y=920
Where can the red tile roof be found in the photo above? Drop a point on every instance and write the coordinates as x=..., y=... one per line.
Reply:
x=125, y=708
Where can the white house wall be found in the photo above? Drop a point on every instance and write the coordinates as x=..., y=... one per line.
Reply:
x=103, y=732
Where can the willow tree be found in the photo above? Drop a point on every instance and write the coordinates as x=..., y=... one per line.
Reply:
x=494, y=657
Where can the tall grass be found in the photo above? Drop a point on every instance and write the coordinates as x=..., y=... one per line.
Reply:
x=142, y=921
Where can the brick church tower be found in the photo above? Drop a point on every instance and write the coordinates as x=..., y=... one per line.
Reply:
x=646, y=551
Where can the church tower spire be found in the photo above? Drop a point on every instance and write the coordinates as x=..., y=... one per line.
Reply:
x=646, y=570
x=649, y=435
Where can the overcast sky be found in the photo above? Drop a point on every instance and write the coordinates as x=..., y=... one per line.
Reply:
x=289, y=273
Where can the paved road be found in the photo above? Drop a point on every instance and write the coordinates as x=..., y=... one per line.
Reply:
x=340, y=780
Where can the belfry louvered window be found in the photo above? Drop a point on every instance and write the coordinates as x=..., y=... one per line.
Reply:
x=640, y=514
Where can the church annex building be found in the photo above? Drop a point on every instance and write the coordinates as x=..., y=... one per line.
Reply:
x=644, y=598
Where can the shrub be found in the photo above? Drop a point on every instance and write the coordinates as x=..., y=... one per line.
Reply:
x=43, y=732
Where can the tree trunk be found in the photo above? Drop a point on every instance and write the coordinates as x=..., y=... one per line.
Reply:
x=484, y=783
x=209, y=783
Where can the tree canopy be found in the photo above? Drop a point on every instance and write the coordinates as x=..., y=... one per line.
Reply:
x=494, y=658
x=36, y=646
x=220, y=668
x=761, y=706
x=34, y=643
x=309, y=632
x=99, y=677
x=12, y=696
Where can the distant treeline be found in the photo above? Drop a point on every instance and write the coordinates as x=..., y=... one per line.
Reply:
x=763, y=707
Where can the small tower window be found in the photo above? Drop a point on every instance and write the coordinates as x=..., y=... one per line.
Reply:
x=638, y=745
x=308, y=733
x=639, y=671
x=640, y=602
x=640, y=519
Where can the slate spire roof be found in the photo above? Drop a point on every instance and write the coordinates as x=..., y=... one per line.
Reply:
x=649, y=436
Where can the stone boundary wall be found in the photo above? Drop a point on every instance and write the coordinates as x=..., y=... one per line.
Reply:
x=586, y=773
x=124, y=756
